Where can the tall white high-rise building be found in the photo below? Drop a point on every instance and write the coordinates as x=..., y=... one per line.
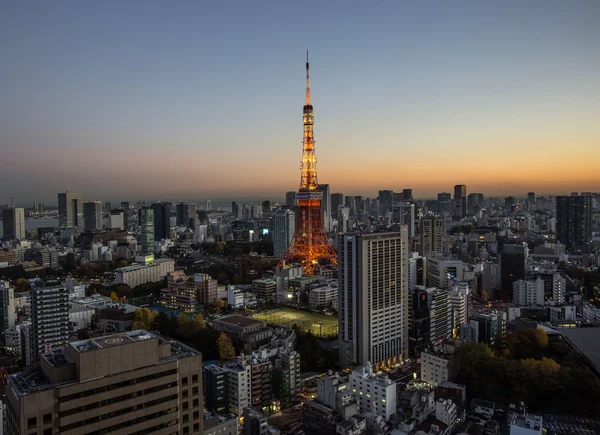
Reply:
x=13, y=223
x=373, y=297
x=326, y=206
x=284, y=223
x=432, y=236
x=528, y=293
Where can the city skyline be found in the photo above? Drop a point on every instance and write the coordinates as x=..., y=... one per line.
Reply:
x=106, y=98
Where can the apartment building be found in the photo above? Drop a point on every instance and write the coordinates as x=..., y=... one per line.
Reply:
x=375, y=393
x=144, y=273
x=434, y=367
x=130, y=383
x=239, y=388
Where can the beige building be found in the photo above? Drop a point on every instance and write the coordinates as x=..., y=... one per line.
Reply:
x=434, y=367
x=432, y=235
x=373, y=298
x=129, y=383
x=143, y=273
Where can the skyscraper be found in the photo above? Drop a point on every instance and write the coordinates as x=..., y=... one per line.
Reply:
x=432, y=236
x=444, y=197
x=386, y=199
x=407, y=195
x=373, y=297
x=49, y=319
x=70, y=209
x=310, y=245
x=574, y=220
x=13, y=223
x=283, y=230
x=460, y=200
x=326, y=206
x=162, y=220
x=146, y=224
x=186, y=214
x=8, y=311
x=337, y=199
x=403, y=213
x=92, y=215
x=235, y=210
x=266, y=208
x=290, y=199
x=512, y=268
x=531, y=200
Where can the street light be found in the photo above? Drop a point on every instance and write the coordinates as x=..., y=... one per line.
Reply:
x=320, y=328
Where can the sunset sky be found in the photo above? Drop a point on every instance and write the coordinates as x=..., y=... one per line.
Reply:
x=200, y=100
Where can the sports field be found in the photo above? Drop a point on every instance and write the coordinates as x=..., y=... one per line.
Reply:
x=303, y=319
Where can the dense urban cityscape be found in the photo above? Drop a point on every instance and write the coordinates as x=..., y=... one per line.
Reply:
x=320, y=310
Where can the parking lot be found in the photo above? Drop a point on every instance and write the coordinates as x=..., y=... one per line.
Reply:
x=571, y=425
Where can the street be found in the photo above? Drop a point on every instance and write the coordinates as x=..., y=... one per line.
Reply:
x=286, y=419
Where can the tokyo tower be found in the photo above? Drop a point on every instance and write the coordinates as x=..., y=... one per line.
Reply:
x=310, y=246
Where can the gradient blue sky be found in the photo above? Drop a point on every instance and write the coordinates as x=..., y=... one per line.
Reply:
x=198, y=99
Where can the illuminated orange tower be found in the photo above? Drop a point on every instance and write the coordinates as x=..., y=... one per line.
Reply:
x=310, y=245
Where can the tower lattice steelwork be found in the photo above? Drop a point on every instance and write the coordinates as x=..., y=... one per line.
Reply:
x=310, y=245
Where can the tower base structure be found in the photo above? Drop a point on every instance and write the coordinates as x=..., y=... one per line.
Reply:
x=310, y=246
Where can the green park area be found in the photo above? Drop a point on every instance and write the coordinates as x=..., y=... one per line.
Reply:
x=318, y=324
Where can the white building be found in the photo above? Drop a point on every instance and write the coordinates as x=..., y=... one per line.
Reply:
x=373, y=297
x=527, y=424
x=528, y=293
x=116, y=221
x=284, y=223
x=434, y=367
x=323, y=297
x=328, y=388
x=559, y=288
x=12, y=340
x=235, y=297
x=459, y=300
x=446, y=412
x=591, y=314
x=374, y=393
x=143, y=273
x=239, y=385
x=442, y=272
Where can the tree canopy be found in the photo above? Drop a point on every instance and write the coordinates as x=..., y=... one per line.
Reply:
x=225, y=347
x=524, y=373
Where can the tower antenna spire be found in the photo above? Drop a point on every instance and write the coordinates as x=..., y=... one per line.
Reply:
x=307, y=80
